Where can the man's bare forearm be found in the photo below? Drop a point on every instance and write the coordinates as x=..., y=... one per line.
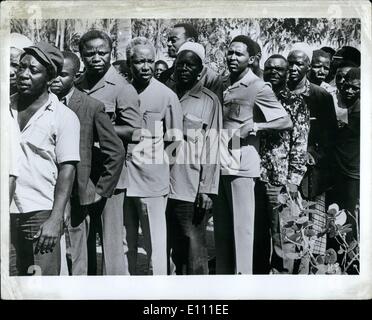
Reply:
x=63, y=189
x=12, y=186
x=277, y=124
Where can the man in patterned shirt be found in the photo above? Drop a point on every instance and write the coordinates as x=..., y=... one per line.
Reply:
x=283, y=158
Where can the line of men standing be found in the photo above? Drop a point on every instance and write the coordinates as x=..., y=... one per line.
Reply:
x=96, y=155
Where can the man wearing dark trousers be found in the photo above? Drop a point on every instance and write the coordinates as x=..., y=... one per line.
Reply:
x=50, y=150
x=193, y=183
x=89, y=188
x=102, y=82
x=283, y=165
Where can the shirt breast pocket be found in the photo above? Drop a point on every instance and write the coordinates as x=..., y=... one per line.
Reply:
x=152, y=121
x=193, y=127
x=40, y=140
x=109, y=106
x=235, y=113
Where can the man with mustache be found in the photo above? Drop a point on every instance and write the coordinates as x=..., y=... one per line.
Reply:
x=250, y=105
x=102, y=82
x=95, y=127
x=50, y=150
x=283, y=164
x=148, y=172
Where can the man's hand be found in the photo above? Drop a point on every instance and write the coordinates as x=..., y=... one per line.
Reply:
x=204, y=201
x=310, y=159
x=97, y=198
x=48, y=235
x=293, y=190
x=246, y=129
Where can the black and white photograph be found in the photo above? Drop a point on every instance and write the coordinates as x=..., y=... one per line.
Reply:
x=162, y=149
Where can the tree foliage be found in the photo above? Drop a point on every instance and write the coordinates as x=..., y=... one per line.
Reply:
x=274, y=35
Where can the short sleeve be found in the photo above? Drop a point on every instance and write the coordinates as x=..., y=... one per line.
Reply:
x=68, y=136
x=128, y=107
x=174, y=118
x=15, y=147
x=267, y=102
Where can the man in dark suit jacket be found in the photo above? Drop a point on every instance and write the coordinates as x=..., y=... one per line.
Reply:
x=323, y=126
x=99, y=170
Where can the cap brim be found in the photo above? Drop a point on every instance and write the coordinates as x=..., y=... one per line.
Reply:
x=39, y=54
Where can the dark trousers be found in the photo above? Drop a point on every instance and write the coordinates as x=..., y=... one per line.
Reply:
x=187, y=237
x=23, y=260
x=346, y=194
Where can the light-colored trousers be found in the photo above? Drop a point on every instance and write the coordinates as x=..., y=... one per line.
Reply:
x=150, y=213
x=233, y=218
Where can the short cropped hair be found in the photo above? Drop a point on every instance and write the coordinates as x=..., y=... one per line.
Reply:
x=277, y=56
x=94, y=34
x=135, y=42
x=320, y=53
x=346, y=64
x=74, y=59
x=161, y=62
x=190, y=31
x=329, y=50
x=353, y=74
x=251, y=45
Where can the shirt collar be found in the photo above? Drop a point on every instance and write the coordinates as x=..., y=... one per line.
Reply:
x=195, y=91
x=109, y=77
x=305, y=90
x=245, y=81
x=68, y=96
x=355, y=107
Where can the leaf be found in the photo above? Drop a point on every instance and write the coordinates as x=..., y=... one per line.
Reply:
x=320, y=260
x=283, y=198
x=322, y=269
x=330, y=256
x=352, y=245
x=309, y=233
x=289, y=224
x=341, y=218
x=333, y=209
x=340, y=251
x=343, y=231
x=292, y=255
x=294, y=237
x=302, y=220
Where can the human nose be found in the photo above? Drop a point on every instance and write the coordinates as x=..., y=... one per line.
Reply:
x=96, y=57
x=23, y=74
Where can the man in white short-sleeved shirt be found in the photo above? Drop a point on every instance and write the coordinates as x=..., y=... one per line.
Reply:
x=49, y=134
x=148, y=167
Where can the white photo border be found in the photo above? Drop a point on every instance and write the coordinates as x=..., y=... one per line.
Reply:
x=212, y=287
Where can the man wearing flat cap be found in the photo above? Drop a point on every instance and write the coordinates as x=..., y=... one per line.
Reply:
x=50, y=150
x=194, y=177
x=250, y=106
